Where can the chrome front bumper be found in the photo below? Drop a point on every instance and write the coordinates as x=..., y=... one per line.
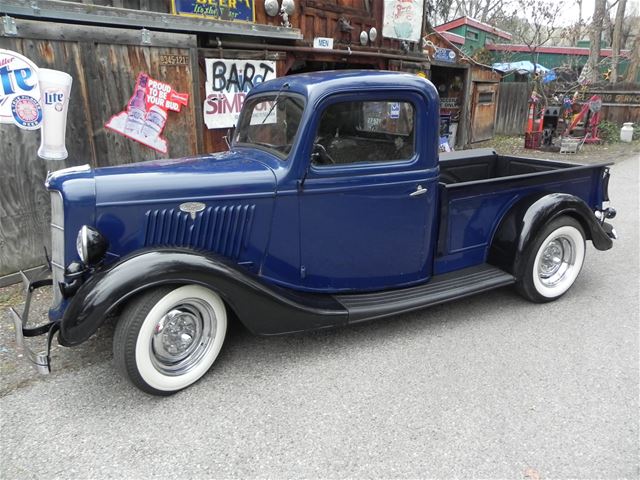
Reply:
x=41, y=361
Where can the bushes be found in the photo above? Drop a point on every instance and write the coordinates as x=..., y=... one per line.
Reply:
x=608, y=131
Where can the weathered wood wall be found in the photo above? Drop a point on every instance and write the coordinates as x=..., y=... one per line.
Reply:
x=321, y=19
x=620, y=114
x=513, y=98
x=104, y=64
x=315, y=18
x=162, y=6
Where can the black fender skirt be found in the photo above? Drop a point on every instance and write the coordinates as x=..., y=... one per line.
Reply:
x=263, y=308
x=524, y=220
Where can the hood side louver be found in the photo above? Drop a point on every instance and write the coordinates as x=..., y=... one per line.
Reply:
x=224, y=229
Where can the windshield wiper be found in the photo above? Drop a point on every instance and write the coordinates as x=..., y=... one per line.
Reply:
x=275, y=102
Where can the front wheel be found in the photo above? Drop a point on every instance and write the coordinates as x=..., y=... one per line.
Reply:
x=552, y=261
x=169, y=337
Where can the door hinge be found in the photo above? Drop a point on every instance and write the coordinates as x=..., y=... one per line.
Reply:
x=9, y=26
x=145, y=37
x=303, y=272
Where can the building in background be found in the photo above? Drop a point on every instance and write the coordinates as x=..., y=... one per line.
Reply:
x=472, y=35
x=490, y=45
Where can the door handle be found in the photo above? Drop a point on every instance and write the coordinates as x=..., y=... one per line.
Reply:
x=420, y=190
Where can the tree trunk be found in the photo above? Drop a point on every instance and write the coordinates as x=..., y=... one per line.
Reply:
x=595, y=36
x=634, y=62
x=616, y=41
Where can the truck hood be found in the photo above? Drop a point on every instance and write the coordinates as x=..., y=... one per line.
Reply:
x=227, y=174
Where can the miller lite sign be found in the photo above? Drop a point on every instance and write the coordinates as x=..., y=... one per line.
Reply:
x=34, y=98
x=55, y=87
x=19, y=91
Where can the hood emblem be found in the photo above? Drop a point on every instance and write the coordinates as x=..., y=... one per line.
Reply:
x=192, y=208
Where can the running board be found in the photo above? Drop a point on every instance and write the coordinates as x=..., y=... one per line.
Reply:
x=440, y=289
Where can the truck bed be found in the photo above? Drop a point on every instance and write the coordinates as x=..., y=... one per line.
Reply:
x=477, y=187
x=485, y=164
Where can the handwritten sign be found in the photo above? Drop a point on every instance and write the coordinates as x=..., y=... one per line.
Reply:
x=403, y=19
x=231, y=10
x=227, y=85
x=146, y=114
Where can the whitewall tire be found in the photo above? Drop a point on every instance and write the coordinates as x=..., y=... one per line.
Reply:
x=168, y=338
x=552, y=261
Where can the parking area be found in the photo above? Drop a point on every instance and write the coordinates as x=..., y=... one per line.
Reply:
x=491, y=386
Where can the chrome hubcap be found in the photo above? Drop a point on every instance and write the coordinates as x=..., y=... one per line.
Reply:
x=182, y=336
x=557, y=257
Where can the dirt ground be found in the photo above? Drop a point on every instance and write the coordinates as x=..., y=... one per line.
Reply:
x=608, y=152
x=16, y=372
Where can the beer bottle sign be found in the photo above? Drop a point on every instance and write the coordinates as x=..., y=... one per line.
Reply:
x=146, y=113
x=19, y=91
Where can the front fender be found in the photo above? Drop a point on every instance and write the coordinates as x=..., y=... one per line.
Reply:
x=526, y=218
x=264, y=309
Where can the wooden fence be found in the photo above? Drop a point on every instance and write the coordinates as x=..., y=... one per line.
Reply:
x=618, y=105
x=513, y=99
x=104, y=64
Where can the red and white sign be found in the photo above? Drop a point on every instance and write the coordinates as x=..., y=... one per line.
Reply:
x=147, y=112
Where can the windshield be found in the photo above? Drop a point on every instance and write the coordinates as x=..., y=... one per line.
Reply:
x=271, y=122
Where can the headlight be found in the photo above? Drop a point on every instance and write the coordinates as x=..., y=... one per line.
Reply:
x=91, y=245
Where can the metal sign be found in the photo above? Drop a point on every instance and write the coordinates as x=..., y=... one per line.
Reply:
x=146, y=114
x=239, y=10
x=403, y=19
x=444, y=55
x=19, y=91
x=323, y=42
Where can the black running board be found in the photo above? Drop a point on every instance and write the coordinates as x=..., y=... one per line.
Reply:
x=440, y=289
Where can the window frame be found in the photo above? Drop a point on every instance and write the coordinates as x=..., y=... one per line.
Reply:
x=472, y=34
x=280, y=155
x=374, y=96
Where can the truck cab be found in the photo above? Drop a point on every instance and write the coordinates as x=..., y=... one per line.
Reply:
x=357, y=192
x=331, y=207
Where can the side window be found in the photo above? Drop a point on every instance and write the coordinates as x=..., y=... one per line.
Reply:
x=365, y=132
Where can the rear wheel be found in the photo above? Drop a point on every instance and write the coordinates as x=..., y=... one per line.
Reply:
x=168, y=338
x=552, y=261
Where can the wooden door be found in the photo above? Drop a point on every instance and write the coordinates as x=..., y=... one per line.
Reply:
x=483, y=110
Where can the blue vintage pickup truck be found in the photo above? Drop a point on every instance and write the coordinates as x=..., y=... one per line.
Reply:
x=331, y=207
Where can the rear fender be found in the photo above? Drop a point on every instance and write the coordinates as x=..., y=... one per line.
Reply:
x=264, y=309
x=527, y=217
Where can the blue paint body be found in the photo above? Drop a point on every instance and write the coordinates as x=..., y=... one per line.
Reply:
x=349, y=228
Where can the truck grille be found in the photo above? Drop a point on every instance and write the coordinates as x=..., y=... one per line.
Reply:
x=224, y=229
x=57, y=244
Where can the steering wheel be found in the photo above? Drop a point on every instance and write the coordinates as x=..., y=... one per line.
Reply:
x=320, y=153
